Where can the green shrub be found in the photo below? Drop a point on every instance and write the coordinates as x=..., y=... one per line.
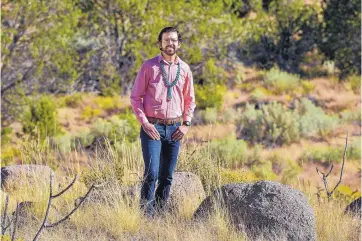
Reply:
x=7, y=237
x=124, y=127
x=290, y=171
x=260, y=93
x=8, y=153
x=133, y=127
x=210, y=95
x=355, y=83
x=327, y=154
x=209, y=115
x=41, y=119
x=322, y=155
x=264, y=171
x=236, y=176
x=272, y=124
x=70, y=100
x=281, y=82
x=90, y=113
x=113, y=129
x=354, y=150
x=275, y=124
x=68, y=142
x=307, y=87
x=6, y=135
x=108, y=103
x=230, y=115
x=313, y=120
x=351, y=116
x=229, y=152
x=346, y=193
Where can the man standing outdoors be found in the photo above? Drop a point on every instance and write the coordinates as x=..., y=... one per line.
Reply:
x=163, y=101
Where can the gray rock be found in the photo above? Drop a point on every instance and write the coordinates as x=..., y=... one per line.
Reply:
x=186, y=191
x=354, y=208
x=110, y=193
x=17, y=177
x=25, y=215
x=264, y=209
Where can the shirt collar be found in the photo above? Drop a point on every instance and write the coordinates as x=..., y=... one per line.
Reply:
x=161, y=58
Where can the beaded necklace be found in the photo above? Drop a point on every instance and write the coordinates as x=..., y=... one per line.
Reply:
x=165, y=79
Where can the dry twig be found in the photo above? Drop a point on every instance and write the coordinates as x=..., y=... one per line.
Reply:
x=16, y=221
x=324, y=176
x=4, y=225
x=51, y=197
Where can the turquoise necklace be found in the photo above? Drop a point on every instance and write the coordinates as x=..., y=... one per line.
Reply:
x=165, y=79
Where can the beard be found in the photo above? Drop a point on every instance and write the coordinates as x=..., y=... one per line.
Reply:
x=169, y=50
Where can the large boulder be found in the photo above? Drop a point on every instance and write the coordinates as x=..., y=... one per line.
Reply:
x=186, y=192
x=354, y=208
x=30, y=180
x=264, y=209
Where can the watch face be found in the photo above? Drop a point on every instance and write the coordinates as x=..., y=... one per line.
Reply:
x=187, y=123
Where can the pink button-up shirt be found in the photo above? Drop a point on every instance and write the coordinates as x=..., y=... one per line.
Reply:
x=149, y=92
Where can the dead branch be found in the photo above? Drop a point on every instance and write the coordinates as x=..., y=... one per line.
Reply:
x=16, y=221
x=51, y=197
x=5, y=226
x=324, y=176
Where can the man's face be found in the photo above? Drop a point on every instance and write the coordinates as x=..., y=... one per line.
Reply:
x=170, y=43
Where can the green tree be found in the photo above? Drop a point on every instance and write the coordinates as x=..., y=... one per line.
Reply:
x=341, y=40
x=36, y=50
x=280, y=33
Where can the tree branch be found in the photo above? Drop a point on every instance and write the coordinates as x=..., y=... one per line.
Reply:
x=324, y=176
x=51, y=197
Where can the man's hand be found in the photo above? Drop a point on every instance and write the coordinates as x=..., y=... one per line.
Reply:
x=151, y=131
x=180, y=133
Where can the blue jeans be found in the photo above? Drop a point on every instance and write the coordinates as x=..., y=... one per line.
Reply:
x=160, y=157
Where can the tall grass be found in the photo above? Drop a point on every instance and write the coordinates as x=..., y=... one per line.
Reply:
x=119, y=218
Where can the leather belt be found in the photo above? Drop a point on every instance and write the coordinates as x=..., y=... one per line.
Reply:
x=170, y=121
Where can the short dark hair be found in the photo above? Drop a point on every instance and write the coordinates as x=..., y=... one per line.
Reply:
x=168, y=30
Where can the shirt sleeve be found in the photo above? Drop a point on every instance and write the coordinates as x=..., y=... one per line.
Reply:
x=189, y=97
x=137, y=94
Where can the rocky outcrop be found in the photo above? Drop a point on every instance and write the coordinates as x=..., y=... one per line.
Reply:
x=266, y=210
x=186, y=191
x=17, y=177
x=354, y=208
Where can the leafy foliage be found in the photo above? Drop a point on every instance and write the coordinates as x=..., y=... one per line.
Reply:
x=286, y=31
x=41, y=119
x=209, y=95
x=271, y=124
x=281, y=82
x=313, y=120
x=36, y=51
x=229, y=152
x=236, y=176
x=341, y=40
x=275, y=124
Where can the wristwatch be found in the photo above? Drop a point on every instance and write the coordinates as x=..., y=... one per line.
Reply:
x=186, y=123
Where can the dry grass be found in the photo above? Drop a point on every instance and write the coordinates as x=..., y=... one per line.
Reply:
x=121, y=219
x=332, y=224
